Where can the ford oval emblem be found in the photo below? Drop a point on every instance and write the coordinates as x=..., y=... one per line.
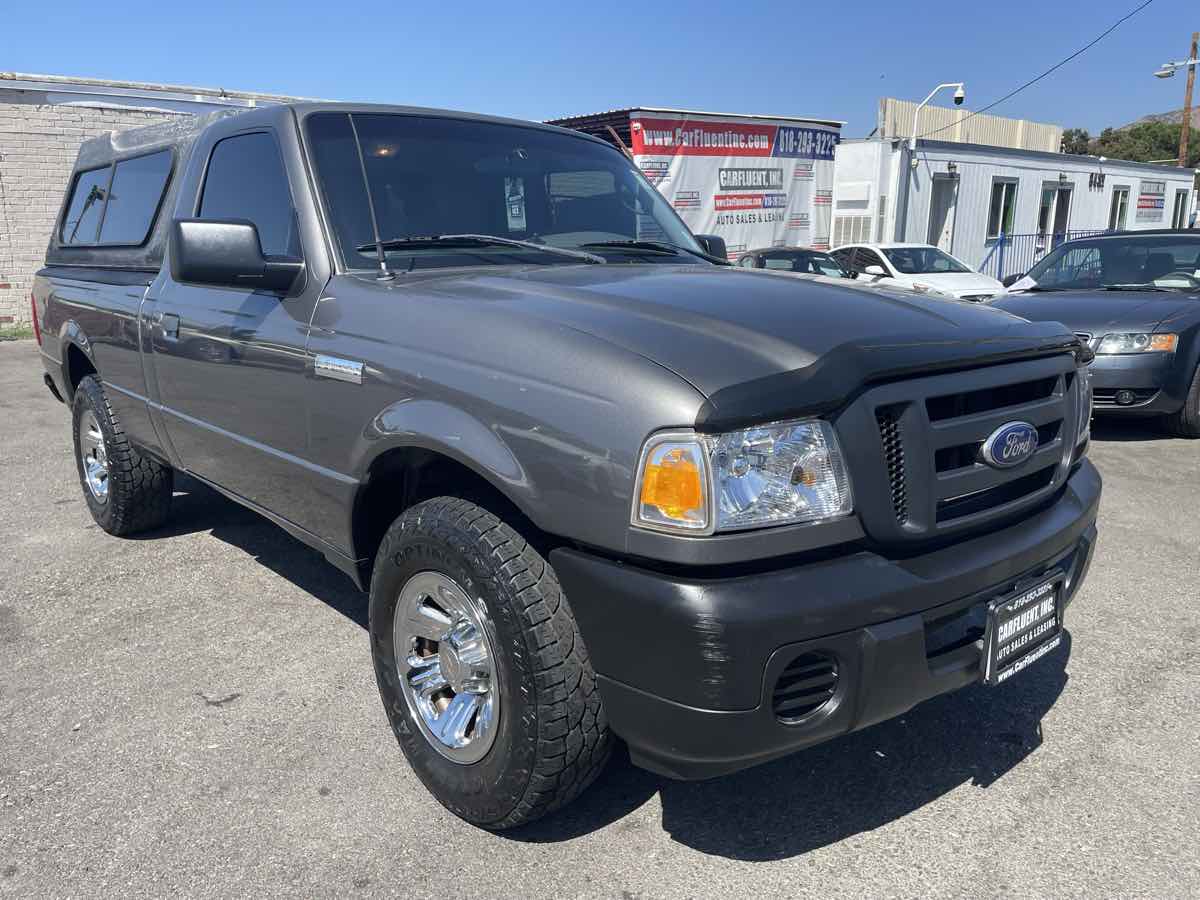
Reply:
x=1010, y=445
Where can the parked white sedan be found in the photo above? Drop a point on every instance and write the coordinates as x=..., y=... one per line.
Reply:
x=917, y=267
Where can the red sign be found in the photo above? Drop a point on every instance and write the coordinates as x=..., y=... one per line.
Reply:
x=677, y=137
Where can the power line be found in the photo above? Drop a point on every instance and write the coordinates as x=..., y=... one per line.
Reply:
x=1058, y=65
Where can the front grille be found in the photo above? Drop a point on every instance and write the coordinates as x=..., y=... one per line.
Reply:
x=806, y=685
x=980, y=501
x=961, y=456
x=992, y=398
x=927, y=472
x=893, y=455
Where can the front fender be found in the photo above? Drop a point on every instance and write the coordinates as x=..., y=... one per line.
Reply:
x=439, y=427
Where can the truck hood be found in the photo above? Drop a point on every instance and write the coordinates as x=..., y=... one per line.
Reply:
x=1098, y=312
x=718, y=327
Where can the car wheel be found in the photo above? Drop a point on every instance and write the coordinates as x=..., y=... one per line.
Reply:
x=1186, y=422
x=126, y=492
x=481, y=666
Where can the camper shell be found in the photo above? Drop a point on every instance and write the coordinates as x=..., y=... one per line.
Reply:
x=105, y=152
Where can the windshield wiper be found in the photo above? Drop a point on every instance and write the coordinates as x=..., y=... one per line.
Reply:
x=1138, y=287
x=654, y=247
x=452, y=241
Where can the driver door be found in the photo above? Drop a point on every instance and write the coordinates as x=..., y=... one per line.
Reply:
x=229, y=364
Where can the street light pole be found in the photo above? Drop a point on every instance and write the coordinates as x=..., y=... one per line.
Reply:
x=959, y=95
x=1185, y=130
x=1168, y=70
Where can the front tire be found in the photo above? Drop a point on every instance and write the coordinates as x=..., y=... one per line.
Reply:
x=125, y=491
x=481, y=667
x=1186, y=422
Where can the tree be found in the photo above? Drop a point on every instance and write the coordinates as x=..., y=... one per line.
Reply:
x=1145, y=142
x=1076, y=140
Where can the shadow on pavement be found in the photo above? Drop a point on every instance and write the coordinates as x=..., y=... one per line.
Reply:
x=834, y=791
x=1106, y=429
x=196, y=507
x=819, y=796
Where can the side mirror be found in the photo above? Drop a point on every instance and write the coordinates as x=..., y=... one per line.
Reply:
x=713, y=245
x=228, y=253
x=877, y=271
x=1009, y=280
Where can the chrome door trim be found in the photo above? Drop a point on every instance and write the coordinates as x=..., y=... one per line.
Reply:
x=337, y=368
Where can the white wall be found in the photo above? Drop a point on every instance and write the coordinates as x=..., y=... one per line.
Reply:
x=977, y=168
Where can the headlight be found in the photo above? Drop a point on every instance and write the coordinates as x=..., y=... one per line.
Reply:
x=1137, y=343
x=779, y=474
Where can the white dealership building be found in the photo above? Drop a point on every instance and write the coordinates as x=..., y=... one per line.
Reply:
x=997, y=208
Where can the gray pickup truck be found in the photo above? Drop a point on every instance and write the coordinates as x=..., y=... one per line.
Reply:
x=596, y=481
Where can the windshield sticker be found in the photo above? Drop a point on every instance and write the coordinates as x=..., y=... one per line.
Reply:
x=514, y=197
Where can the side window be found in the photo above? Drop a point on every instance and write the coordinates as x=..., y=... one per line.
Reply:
x=137, y=190
x=868, y=258
x=845, y=257
x=80, y=224
x=246, y=180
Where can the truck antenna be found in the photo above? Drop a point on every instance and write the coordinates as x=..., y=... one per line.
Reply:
x=384, y=273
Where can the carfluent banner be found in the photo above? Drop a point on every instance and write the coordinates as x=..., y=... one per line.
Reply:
x=755, y=182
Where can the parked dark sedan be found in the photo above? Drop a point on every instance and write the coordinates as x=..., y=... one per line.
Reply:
x=1135, y=298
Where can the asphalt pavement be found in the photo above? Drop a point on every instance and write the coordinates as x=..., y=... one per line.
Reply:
x=194, y=713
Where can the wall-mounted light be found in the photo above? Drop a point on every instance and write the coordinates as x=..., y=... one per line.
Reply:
x=952, y=169
x=1062, y=177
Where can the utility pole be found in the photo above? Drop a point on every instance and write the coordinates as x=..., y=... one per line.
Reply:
x=1185, y=131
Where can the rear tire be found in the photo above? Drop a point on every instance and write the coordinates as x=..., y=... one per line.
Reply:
x=126, y=492
x=546, y=737
x=1186, y=422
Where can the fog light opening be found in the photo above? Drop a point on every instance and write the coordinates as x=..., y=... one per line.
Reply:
x=1126, y=398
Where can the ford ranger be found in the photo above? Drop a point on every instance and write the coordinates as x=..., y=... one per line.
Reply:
x=598, y=483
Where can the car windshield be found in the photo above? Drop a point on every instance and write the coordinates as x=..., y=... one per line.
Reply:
x=922, y=261
x=1153, y=262
x=434, y=178
x=811, y=262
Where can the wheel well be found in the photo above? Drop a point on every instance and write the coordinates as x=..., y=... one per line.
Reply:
x=406, y=476
x=79, y=367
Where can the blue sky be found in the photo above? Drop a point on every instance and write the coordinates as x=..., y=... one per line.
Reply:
x=538, y=60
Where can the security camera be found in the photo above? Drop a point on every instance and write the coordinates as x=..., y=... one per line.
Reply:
x=959, y=96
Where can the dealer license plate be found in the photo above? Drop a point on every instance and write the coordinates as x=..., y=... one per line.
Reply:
x=1021, y=629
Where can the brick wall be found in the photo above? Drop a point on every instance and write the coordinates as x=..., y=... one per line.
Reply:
x=38, y=143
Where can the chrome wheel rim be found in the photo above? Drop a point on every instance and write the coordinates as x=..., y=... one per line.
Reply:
x=447, y=666
x=93, y=456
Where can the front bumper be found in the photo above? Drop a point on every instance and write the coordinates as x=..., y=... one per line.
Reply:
x=1150, y=377
x=687, y=665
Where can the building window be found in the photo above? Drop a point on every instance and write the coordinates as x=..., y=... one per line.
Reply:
x=1119, y=210
x=1054, y=212
x=1003, y=206
x=1179, y=211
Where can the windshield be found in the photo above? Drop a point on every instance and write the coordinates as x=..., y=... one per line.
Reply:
x=808, y=261
x=922, y=261
x=1162, y=262
x=433, y=176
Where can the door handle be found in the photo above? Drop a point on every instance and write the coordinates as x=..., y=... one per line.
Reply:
x=169, y=322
